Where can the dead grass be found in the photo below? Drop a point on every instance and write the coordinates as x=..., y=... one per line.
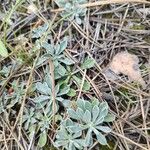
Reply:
x=106, y=30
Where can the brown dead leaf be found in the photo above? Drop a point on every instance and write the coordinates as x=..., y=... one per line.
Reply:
x=127, y=64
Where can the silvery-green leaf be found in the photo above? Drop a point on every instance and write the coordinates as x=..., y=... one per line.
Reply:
x=77, y=80
x=77, y=134
x=60, y=99
x=71, y=147
x=104, y=112
x=88, y=137
x=43, y=139
x=104, y=129
x=56, y=63
x=43, y=88
x=38, y=32
x=95, y=113
x=101, y=138
x=103, y=109
x=66, y=103
x=57, y=49
x=99, y=120
x=48, y=80
x=5, y=71
x=72, y=114
x=48, y=110
x=74, y=128
x=62, y=135
x=41, y=60
x=109, y=118
x=71, y=92
x=49, y=48
x=64, y=91
x=56, y=74
x=68, y=6
x=87, y=116
x=88, y=105
x=67, y=61
x=81, y=104
x=88, y=63
x=57, y=88
x=59, y=143
x=86, y=86
x=103, y=106
x=41, y=98
x=77, y=145
x=41, y=105
x=3, y=50
x=95, y=101
x=80, y=142
x=61, y=70
x=80, y=112
x=78, y=20
x=67, y=122
x=63, y=45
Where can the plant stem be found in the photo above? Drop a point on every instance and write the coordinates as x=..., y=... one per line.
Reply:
x=106, y=2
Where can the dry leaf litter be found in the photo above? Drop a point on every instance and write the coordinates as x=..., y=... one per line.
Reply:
x=127, y=64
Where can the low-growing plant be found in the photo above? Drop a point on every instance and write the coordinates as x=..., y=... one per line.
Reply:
x=80, y=122
x=45, y=90
x=72, y=9
x=88, y=117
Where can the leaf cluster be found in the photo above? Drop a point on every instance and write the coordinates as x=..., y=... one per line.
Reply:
x=87, y=118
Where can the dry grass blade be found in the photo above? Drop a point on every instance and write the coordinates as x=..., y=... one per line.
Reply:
x=83, y=80
x=129, y=140
x=99, y=3
x=74, y=50
x=51, y=67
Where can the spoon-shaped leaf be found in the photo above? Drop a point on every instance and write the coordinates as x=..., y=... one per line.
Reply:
x=3, y=50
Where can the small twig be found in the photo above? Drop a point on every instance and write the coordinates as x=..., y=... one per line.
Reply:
x=106, y=2
x=81, y=87
x=20, y=115
x=6, y=144
x=144, y=120
x=51, y=66
x=129, y=140
x=12, y=133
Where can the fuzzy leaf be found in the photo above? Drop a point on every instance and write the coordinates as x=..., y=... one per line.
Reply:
x=3, y=50
x=104, y=129
x=80, y=112
x=43, y=88
x=101, y=138
x=71, y=93
x=88, y=137
x=63, y=46
x=63, y=91
x=49, y=48
x=43, y=139
x=88, y=105
x=86, y=86
x=109, y=118
x=95, y=113
x=67, y=61
x=87, y=116
x=88, y=63
x=81, y=104
x=99, y=120
x=72, y=114
x=61, y=70
x=41, y=98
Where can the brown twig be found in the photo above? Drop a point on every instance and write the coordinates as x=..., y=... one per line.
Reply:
x=51, y=66
x=106, y=2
